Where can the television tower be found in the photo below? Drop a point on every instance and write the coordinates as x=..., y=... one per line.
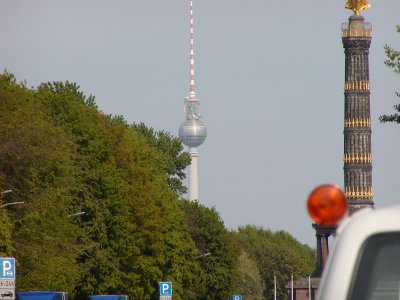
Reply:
x=192, y=131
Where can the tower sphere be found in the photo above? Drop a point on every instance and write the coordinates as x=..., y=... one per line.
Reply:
x=192, y=133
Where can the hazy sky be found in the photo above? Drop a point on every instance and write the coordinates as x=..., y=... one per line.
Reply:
x=269, y=76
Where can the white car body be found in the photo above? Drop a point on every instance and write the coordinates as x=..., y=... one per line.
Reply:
x=365, y=260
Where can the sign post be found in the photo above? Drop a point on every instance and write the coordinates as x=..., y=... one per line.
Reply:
x=166, y=290
x=7, y=278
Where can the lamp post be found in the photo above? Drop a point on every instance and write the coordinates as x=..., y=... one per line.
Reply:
x=77, y=214
x=12, y=203
x=204, y=255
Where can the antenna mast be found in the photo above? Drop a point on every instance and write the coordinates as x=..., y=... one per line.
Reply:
x=192, y=104
x=192, y=94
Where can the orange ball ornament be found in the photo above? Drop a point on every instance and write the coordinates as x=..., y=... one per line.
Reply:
x=327, y=204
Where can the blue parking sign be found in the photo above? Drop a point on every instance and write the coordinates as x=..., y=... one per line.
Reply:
x=165, y=288
x=236, y=297
x=7, y=268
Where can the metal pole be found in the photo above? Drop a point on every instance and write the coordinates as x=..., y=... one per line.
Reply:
x=292, y=287
x=274, y=287
x=309, y=287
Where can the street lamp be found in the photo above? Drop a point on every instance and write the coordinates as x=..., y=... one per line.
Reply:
x=12, y=203
x=204, y=255
x=77, y=214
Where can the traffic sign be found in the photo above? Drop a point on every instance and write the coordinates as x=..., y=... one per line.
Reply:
x=7, y=278
x=7, y=268
x=165, y=297
x=7, y=294
x=7, y=283
x=236, y=297
x=165, y=289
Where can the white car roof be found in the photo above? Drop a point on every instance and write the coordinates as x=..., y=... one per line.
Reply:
x=351, y=236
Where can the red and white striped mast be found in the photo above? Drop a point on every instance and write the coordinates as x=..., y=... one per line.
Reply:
x=192, y=94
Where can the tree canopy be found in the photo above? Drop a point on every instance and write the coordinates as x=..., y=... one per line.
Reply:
x=275, y=254
x=393, y=62
x=103, y=211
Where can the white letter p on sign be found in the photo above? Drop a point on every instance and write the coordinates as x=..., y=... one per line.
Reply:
x=6, y=268
x=165, y=288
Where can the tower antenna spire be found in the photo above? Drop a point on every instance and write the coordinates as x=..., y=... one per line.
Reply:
x=192, y=89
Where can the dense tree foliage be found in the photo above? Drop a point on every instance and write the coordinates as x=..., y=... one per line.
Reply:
x=174, y=160
x=103, y=213
x=276, y=254
x=36, y=164
x=214, y=249
x=250, y=285
x=61, y=155
x=393, y=62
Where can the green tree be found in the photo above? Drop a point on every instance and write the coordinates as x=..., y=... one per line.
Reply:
x=133, y=232
x=276, y=254
x=173, y=161
x=250, y=283
x=6, y=225
x=216, y=252
x=61, y=155
x=35, y=164
x=393, y=62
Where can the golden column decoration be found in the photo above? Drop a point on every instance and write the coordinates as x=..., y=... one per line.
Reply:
x=357, y=5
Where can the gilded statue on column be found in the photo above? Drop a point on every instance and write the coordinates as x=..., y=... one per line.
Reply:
x=357, y=5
